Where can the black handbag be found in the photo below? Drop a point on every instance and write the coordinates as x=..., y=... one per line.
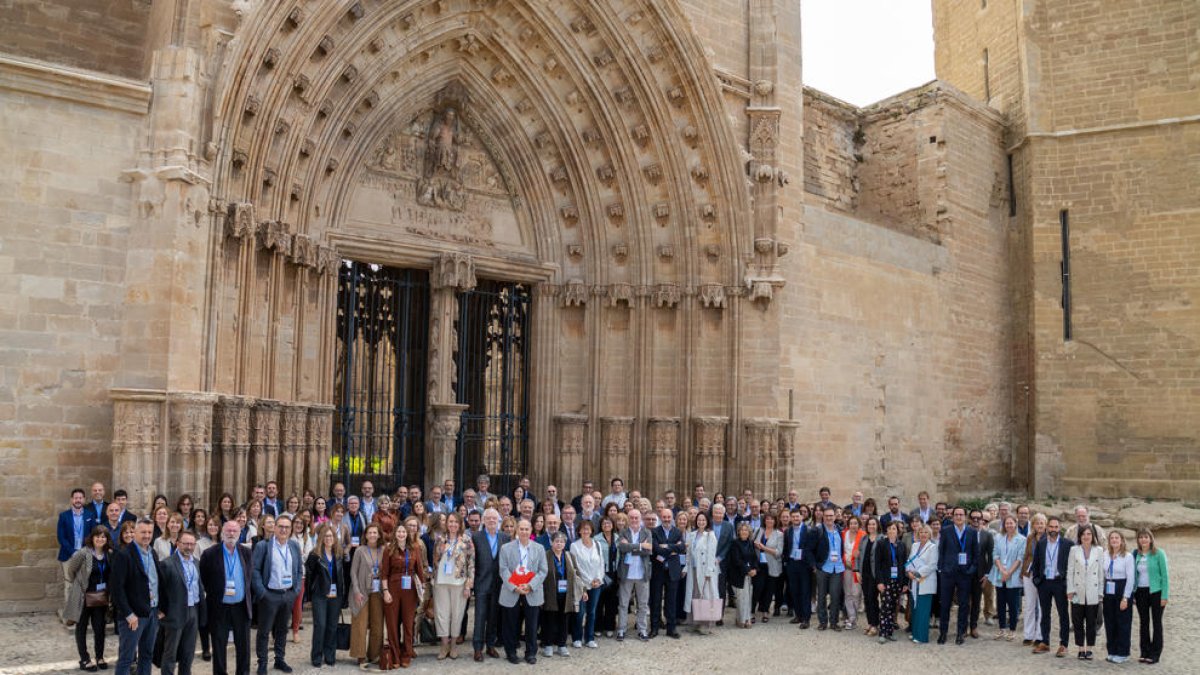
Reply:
x=343, y=634
x=427, y=630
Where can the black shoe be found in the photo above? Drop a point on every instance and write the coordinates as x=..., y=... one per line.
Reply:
x=795, y=620
x=531, y=660
x=804, y=625
x=643, y=637
x=282, y=666
x=673, y=635
x=620, y=637
x=653, y=634
x=331, y=663
x=941, y=638
x=206, y=655
x=958, y=639
x=514, y=659
x=836, y=626
x=721, y=622
x=262, y=669
x=316, y=664
x=821, y=627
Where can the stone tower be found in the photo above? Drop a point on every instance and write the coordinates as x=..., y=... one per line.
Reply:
x=1102, y=109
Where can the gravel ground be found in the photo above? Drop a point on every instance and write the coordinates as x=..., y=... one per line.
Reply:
x=38, y=644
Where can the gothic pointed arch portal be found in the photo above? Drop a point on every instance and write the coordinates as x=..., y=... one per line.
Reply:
x=579, y=148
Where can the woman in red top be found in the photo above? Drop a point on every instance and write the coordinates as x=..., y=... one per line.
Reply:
x=402, y=574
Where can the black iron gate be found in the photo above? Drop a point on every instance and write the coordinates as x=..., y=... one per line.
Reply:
x=493, y=381
x=382, y=337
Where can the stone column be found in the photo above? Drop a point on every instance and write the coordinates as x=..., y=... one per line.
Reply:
x=293, y=448
x=445, y=419
x=190, y=416
x=762, y=437
x=615, y=436
x=785, y=477
x=570, y=429
x=264, y=442
x=452, y=272
x=232, y=440
x=708, y=445
x=320, y=448
x=663, y=449
x=137, y=443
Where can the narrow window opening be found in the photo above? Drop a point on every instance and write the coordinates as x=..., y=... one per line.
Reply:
x=1012, y=189
x=1064, y=223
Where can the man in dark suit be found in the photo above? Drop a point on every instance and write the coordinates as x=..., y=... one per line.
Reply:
x=276, y=578
x=181, y=595
x=225, y=575
x=985, y=543
x=271, y=503
x=958, y=564
x=665, y=574
x=134, y=585
x=487, y=543
x=1049, y=575
x=825, y=550
x=798, y=569
x=98, y=506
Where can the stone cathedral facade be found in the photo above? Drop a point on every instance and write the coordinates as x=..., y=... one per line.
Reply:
x=408, y=240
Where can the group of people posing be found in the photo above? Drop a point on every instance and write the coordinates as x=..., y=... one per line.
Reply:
x=550, y=573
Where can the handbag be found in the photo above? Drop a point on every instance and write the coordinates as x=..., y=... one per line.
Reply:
x=385, y=658
x=707, y=609
x=343, y=634
x=95, y=599
x=426, y=630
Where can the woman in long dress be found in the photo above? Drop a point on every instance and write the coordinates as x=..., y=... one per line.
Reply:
x=703, y=570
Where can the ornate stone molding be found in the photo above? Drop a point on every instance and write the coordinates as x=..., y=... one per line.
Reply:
x=708, y=449
x=785, y=477
x=662, y=436
x=231, y=435
x=41, y=78
x=320, y=446
x=616, y=435
x=264, y=441
x=293, y=447
x=137, y=443
x=453, y=270
x=445, y=419
x=570, y=429
x=762, y=442
x=190, y=418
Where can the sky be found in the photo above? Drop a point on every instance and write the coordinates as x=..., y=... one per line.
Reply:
x=862, y=51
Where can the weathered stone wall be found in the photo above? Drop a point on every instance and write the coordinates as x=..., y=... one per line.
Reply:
x=832, y=150
x=898, y=314
x=104, y=35
x=64, y=221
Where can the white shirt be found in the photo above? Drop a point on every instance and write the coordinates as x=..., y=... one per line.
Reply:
x=588, y=564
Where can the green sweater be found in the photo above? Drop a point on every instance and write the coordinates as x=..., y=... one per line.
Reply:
x=1156, y=567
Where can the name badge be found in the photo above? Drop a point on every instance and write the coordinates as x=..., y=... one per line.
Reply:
x=833, y=556
x=101, y=586
x=286, y=580
x=562, y=585
x=374, y=585
x=683, y=560
x=762, y=557
x=230, y=588
x=406, y=582
x=354, y=541
x=962, y=558
x=1110, y=588
x=895, y=572
x=332, y=591
x=797, y=554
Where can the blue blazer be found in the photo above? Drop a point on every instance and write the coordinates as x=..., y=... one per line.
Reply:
x=948, y=550
x=66, y=531
x=261, y=569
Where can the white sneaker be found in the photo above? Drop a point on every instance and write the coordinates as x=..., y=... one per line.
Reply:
x=592, y=644
x=608, y=633
x=548, y=651
x=577, y=644
x=563, y=651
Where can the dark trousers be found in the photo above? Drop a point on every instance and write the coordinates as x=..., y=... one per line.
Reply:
x=274, y=612
x=606, y=613
x=94, y=616
x=951, y=586
x=235, y=619
x=487, y=619
x=1008, y=607
x=1083, y=617
x=554, y=627
x=663, y=591
x=324, y=638
x=976, y=600
x=137, y=644
x=1055, y=590
x=800, y=584
x=829, y=584
x=179, y=643
x=870, y=591
x=1118, y=624
x=1150, y=611
x=766, y=589
x=512, y=617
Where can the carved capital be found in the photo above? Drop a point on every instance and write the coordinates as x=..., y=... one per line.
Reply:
x=571, y=428
x=575, y=293
x=304, y=251
x=712, y=296
x=709, y=435
x=239, y=220
x=275, y=235
x=445, y=419
x=666, y=295
x=453, y=270
x=620, y=293
x=615, y=435
x=663, y=433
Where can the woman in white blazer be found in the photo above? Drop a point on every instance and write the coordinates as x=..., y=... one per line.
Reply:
x=702, y=568
x=1085, y=589
x=922, y=570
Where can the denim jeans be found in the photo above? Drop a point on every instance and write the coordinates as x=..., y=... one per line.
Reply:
x=136, y=644
x=584, y=627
